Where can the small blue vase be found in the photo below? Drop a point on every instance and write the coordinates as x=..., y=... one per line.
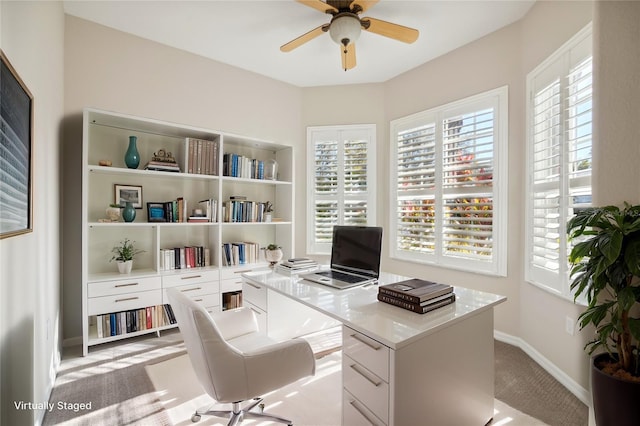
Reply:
x=132, y=157
x=128, y=213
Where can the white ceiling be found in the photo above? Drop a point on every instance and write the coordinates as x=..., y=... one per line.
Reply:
x=248, y=34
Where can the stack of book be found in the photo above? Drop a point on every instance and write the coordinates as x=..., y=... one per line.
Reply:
x=417, y=295
x=296, y=266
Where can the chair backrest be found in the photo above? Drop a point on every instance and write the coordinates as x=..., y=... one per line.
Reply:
x=218, y=365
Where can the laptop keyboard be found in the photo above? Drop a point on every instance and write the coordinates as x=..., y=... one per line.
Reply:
x=342, y=276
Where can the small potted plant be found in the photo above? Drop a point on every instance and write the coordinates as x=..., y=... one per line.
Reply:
x=273, y=254
x=123, y=254
x=606, y=268
x=113, y=212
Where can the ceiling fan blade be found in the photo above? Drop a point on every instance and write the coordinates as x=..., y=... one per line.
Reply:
x=348, y=54
x=387, y=29
x=288, y=47
x=358, y=6
x=319, y=5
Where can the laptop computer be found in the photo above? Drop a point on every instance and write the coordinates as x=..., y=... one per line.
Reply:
x=355, y=258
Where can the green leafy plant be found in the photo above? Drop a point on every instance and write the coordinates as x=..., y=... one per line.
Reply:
x=272, y=247
x=606, y=268
x=125, y=251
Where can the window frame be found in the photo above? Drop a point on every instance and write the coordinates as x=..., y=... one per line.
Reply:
x=366, y=131
x=559, y=65
x=498, y=100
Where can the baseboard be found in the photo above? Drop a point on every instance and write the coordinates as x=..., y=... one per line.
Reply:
x=572, y=386
x=72, y=341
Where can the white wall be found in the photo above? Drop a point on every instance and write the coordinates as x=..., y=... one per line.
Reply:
x=32, y=39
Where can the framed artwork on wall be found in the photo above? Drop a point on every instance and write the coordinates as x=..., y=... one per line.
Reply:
x=16, y=144
x=127, y=193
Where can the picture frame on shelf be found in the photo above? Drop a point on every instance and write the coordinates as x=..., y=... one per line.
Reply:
x=127, y=193
x=156, y=212
x=16, y=116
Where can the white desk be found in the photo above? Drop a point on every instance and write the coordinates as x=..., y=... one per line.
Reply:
x=402, y=368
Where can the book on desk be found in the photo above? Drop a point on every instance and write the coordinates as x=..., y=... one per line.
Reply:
x=417, y=295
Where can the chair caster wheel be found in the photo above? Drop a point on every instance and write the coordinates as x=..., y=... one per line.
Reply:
x=196, y=418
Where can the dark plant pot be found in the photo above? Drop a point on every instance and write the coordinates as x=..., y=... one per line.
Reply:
x=615, y=401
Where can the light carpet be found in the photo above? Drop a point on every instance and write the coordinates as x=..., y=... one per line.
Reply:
x=314, y=401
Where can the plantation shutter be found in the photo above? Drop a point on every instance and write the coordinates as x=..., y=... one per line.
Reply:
x=341, y=172
x=559, y=159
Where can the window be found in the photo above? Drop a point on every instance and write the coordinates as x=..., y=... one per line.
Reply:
x=558, y=159
x=341, y=171
x=449, y=185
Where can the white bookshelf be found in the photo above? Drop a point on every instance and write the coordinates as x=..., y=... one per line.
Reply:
x=104, y=290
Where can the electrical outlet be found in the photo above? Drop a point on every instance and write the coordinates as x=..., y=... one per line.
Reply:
x=570, y=325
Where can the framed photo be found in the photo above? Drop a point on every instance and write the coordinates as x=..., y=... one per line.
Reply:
x=127, y=193
x=16, y=144
x=156, y=213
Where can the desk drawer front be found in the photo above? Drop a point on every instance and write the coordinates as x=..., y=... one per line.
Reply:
x=367, y=387
x=355, y=413
x=189, y=277
x=197, y=289
x=129, y=285
x=123, y=302
x=255, y=294
x=370, y=353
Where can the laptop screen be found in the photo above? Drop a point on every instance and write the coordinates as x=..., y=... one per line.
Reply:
x=357, y=249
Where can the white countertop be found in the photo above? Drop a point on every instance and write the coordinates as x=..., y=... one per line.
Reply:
x=360, y=309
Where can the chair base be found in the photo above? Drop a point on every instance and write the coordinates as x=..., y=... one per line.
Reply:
x=237, y=414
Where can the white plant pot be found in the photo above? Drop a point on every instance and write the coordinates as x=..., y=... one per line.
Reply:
x=113, y=213
x=273, y=256
x=125, y=267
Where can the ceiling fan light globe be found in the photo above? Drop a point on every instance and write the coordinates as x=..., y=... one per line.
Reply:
x=345, y=29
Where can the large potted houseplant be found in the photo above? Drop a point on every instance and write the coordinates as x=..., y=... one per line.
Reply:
x=606, y=269
x=123, y=254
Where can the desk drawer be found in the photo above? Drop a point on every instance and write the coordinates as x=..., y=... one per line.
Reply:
x=196, y=289
x=129, y=285
x=189, y=277
x=255, y=294
x=123, y=302
x=355, y=413
x=367, y=387
x=370, y=353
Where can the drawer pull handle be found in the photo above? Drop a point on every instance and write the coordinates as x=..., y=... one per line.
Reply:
x=191, y=289
x=128, y=298
x=355, y=368
x=362, y=413
x=242, y=271
x=197, y=300
x=256, y=311
x=191, y=277
x=253, y=285
x=366, y=342
x=125, y=285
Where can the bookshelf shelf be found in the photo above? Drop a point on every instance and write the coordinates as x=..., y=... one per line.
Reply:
x=105, y=137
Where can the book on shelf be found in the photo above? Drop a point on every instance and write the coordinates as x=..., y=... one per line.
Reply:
x=184, y=257
x=240, y=253
x=243, y=211
x=162, y=166
x=288, y=270
x=232, y=300
x=124, y=322
x=415, y=290
x=236, y=165
x=202, y=156
x=420, y=308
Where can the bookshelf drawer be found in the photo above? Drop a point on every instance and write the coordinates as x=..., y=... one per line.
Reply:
x=372, y=354
x=236, y=272
x=355, y=413
x=195, y=289
x=366, y=387
x=233, y=284
x=129, y=285
x=189, y=277
x=211, y=302
x=254, y=293
x=123, y=302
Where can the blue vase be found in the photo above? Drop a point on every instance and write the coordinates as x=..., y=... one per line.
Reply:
x=128, y=213
x=132, y=157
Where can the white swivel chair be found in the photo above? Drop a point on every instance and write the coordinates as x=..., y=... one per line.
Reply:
x=233, y=362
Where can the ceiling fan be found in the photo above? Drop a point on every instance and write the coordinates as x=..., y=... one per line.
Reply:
x=346, y=24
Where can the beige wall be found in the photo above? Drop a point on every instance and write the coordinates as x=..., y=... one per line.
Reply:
x=135, y=76
x=31, y=36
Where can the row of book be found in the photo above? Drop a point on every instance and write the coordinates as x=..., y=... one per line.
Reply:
x=240, y=253
x=236, y=165
x=417, y=295
x=178, y=211
x=162, y=166
x=202, y=157
x=117, y=323
x=298, y=265
x=232, y=300
x=243, y=211
x=184, y=258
